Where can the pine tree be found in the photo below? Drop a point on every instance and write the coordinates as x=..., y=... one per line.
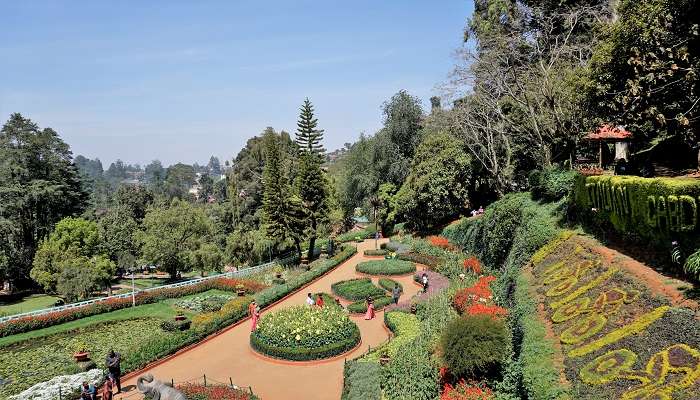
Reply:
x=311, y=181
x=308, y=136
x=282, y=212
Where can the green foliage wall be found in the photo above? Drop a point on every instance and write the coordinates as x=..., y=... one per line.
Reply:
x=656, y=209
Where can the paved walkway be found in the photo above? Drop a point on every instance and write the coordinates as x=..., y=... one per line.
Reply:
x=229, y=355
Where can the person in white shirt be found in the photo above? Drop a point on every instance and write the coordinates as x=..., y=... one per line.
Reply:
x=310, y=300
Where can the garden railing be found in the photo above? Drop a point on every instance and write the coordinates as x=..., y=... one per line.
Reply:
x=233, y=274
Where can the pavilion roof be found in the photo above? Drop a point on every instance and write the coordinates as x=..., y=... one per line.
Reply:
x=609, y=132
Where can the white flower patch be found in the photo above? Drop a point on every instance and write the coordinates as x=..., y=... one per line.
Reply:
x=67, y=385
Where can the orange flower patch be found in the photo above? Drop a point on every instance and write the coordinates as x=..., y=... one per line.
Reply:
x=478, y=299
x=472, y=264
x=466, y=391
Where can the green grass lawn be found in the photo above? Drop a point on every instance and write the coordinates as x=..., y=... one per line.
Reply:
x=160, y=310
x=29, y=303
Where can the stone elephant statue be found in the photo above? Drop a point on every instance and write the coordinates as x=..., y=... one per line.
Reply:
x=158, y=390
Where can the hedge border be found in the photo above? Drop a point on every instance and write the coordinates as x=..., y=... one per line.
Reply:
x=307, y=354
x=400, y=267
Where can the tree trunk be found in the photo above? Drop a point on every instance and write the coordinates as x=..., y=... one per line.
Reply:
x=698, y=158
x=297, y=245
x=312, y=245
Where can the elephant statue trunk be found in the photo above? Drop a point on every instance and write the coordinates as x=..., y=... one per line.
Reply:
x=158, y=390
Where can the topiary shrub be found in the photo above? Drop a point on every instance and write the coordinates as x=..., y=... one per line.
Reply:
x=386, y=267
x=357, y=289
x=474, y=346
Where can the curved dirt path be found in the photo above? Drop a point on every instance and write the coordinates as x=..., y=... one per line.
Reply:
x=229, y=355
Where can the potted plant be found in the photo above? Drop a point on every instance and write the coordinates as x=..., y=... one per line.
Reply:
x=278, y=271
x=80, y=352
x=180, y=316
x=240, y=290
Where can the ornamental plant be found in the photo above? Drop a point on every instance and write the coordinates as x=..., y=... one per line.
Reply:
x=440, y=241
x=213, y=392
x=305, y=333
x=386, y=267
x=477, y=300
x=474, y=347
x=464, y=390
x=357, y=289
x=472, y=264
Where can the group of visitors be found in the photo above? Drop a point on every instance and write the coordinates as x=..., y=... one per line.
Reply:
x=478, y=212
x=88, y=391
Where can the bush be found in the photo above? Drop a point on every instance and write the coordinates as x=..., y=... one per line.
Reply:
x=172, y=326
x=303, y=333
x=692, y=265
x=474, y=347
x=431, y=262
x=232, y=311
x=362, y=381
x=389, y=284
x=412, y=373
x=360, y=307
x=374, y=253
x=386, y=267
x=357, y=289
x=405, y=328
x=366, y=233
x=552, y=184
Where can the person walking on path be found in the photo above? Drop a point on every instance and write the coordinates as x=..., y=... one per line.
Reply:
x=107, y=390
x=424, y=280
x=254, y=311
x=370, y=309
x=310, y=300
x=319, y=301
x=114, y=366
x=395, y=294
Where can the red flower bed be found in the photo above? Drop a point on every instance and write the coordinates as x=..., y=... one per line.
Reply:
x=440, y=241
x=216, y=392
x=472, y=264
x=477, y=299
x=26, y=324
x=466, y=391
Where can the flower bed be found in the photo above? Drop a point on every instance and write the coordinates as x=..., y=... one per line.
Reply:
x=388, y=284
x=304, y=333
x=32, y=361
x=360, y=307
x=357, y=289
x=214, y=392
x=61, y=387
x=432, y=262
x=386, y=267
x=31, y=323
x=204, y=303
x=478, y=299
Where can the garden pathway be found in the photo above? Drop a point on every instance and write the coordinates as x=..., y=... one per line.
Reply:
x=229, y=355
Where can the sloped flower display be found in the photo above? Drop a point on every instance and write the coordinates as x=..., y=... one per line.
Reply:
x=478, y=300
x=303, y=333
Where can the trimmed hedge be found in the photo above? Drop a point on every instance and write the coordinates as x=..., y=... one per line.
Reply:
x=318, y=268
x=362, y=381
x=374, y=253
x=360, y=307
x=366, y=233
x=306, y=354
x=431, y=262
x=656, y=209
x=357, y=289
x=388, y=284
x=386, y=267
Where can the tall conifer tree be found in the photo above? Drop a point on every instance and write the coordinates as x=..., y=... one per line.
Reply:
x=311, y=181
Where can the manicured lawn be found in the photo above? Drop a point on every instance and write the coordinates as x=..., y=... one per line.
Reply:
x=161, y=310
x=29, y=303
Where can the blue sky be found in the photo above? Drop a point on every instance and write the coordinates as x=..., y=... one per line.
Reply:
x=184, y=80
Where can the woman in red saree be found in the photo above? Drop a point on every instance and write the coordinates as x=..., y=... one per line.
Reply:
x=370, y=309
x=319, y=301
x=254, y=314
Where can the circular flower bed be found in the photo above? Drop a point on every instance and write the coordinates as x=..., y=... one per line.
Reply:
x=303, y=333
x=357, y=289
x=386, y=267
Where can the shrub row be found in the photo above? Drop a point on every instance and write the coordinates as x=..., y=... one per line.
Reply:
x=366, y=233
x=360, y=307
x=319, y=267
x=30, y=323
x=306, y=354
x=386, y=267
x=357, y=289
x=389, y=284
x=362, y=381
x=373, y=253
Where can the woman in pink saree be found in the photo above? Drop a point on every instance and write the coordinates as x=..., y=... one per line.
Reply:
x=254, y=312
x=370, y=309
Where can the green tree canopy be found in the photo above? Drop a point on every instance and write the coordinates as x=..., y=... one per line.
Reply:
x=39, y=185
x=171, y=233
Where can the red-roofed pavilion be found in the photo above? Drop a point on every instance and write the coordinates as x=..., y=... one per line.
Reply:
x=611, y=134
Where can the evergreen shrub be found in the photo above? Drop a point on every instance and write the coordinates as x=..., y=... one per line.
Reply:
x=474, y=347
